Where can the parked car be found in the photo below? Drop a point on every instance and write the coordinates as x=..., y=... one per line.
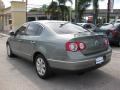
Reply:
x=117, y=21
x=88, y=26
x=60, y=45
x=105, y=24
x=112, y=31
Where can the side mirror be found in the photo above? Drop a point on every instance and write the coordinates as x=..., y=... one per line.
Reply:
x=11, y=33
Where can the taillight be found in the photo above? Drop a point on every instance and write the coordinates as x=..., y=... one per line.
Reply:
x=114, y=32
x=82, y=45
x=75, y=46
x=106, y=41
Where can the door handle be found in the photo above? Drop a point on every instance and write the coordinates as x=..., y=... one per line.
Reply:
x=33, y=42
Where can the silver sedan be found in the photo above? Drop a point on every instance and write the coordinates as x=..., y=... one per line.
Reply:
x=60, y=45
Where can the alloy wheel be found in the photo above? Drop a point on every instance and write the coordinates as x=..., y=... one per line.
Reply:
x=40, y=66
x=8, y=50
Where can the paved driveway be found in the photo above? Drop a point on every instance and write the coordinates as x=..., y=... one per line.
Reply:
x=19, y=74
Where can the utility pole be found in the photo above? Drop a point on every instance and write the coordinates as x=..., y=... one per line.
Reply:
x=26, y=9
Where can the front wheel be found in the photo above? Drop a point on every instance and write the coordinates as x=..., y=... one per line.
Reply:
x=9, y=51
x=42, y=67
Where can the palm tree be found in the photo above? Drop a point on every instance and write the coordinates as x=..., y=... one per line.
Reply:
x=53, y=9
x=95, y=11
x=80, y=7
x=59, y=8
x=64, y=9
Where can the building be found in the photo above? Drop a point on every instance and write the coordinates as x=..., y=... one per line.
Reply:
x=34, y=16
x=103, y=14
x=2, y=6
x=13, y=16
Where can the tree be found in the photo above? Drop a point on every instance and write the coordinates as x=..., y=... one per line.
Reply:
x=95, y=11
x=80, y=8
x=53, y=10
x=64, y=9
x=41, y=9
x=34, y=10
x=59, y=8
x=44, y=8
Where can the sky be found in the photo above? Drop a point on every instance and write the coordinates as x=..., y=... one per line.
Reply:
x=37, y=3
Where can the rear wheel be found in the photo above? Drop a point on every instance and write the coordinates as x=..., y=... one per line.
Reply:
x=119, y=43
x=9, y=51
x=42, y=67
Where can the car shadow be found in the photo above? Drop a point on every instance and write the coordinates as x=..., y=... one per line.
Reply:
x=97, y=79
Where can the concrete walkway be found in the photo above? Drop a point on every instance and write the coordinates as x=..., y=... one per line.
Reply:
x=4, y=33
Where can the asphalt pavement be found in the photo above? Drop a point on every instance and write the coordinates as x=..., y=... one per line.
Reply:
x=19, y=74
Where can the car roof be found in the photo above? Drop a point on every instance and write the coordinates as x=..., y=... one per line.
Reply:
x=82, y=24
x=109, y=26
x=48, y=21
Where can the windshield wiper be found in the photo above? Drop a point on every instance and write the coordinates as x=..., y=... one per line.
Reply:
x=61, y=25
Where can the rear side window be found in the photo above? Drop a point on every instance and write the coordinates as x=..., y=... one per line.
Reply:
x=88, y=26
x=65, y=27
x=34, y=29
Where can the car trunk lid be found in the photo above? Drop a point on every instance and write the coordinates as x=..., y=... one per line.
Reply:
x=95, y=43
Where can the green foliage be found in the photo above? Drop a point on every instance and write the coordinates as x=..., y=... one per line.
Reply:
x=95, y=9
x=53, y=10
x=34, y=10
x=59, y=9
x=41, y=9
x=81, y=6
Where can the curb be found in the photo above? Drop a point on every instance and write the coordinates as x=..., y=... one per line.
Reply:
x=2, y=34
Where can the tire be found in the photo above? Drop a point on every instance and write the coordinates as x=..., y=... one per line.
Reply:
x=118, y=43
x=9, y=51
x=42, y=67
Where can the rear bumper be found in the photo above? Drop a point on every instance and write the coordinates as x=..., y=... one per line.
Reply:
x=79, y=65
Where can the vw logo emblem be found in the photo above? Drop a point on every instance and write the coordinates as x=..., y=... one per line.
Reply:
x=96, y=42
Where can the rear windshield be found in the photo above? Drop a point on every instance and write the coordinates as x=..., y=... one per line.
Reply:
x=65, y=27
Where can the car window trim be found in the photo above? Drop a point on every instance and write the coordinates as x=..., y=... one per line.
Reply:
x=36, y=24
x=20, y=27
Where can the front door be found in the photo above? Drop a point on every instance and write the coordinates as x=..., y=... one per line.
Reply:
x=28, y=41
x=17, y=40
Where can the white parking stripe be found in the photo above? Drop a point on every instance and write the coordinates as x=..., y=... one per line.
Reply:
x=118, y=52
x=1, y=34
